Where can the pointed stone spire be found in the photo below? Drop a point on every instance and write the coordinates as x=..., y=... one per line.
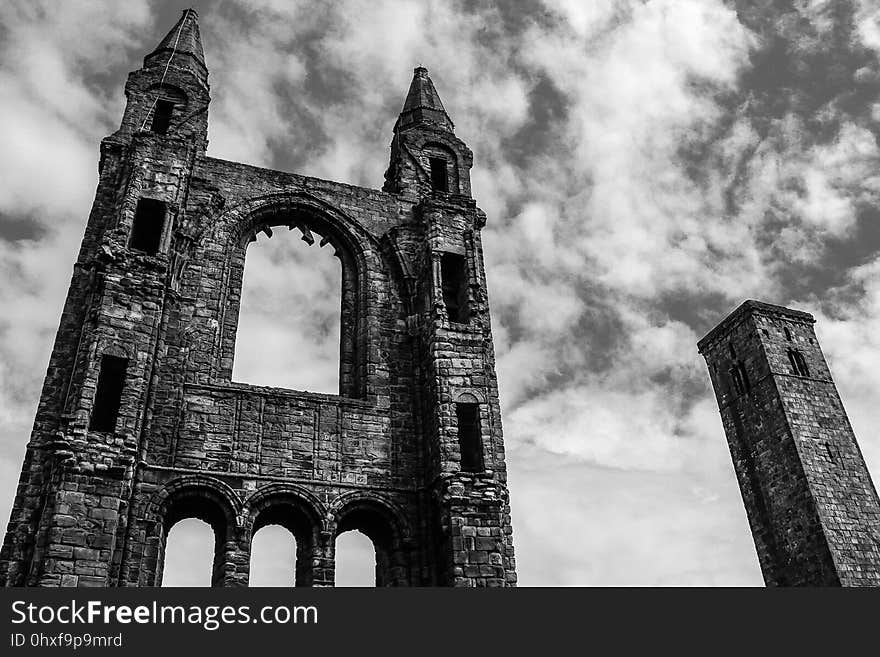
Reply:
x=185, y=41
x=422, y=106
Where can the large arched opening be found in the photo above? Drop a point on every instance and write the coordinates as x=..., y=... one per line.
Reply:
x=362, y=524
x=196, y=523
x=295, y=307
x=273, y=557
x=355, y=559
x=189, y=554
x=284, y=534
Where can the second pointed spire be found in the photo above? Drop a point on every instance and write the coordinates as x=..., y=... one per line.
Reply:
x=422, y=106
x=184, y=39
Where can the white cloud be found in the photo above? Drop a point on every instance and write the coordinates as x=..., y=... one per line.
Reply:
x=867, y=23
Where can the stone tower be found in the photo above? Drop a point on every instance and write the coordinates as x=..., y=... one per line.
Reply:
x=139, y=424
x=811, y=504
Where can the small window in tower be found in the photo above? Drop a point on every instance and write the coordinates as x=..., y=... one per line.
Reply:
x=108, y=395
x=453, y=274
x=744, y=376
x=470, y=440
x=740, y=378
x=162, y=116
x=149, y=219
x=439, y=175
x=833, y=452
x=787, y=333
x=798, y=363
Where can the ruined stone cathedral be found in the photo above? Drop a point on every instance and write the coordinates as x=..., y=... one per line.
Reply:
x=140, y=425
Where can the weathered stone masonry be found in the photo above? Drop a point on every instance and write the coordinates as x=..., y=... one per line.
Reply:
x=94, y=506
x=810, y=501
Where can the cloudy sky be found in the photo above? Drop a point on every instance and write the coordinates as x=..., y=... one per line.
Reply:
x=644, y=165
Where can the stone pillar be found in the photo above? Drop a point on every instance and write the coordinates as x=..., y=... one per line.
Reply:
x=392, y=563
x=232, y=559
x=305, y=571
x=324, y=559
x=384, y=574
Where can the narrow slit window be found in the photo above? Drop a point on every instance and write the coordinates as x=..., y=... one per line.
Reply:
x=470, y=440
x=453, y=273
x=108, y=395
x=744, y=376
x=149, y=219
x=162, y=116
x=740, y=379
x=439, y=175
x=787, y=333
x=833, y=452
x=798, y=363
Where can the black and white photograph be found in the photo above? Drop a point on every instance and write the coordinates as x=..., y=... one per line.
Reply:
x=447, y=293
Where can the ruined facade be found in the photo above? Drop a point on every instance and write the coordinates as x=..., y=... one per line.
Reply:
x=810, y=501
x=139, y=424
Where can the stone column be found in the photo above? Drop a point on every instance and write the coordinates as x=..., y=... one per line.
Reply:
x=232, y=559
x=324, y=560
x=305, y=571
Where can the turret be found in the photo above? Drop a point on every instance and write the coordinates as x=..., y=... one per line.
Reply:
x=426, y=156
x=169, y=96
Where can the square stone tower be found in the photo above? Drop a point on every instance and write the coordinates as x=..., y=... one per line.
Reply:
x=140, y=425
x=811, y=504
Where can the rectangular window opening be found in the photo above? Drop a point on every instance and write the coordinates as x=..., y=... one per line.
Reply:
x=453, y=274
x=108, y=395
x=149, y=219
x=162, y=116
x=439, y=176
x=470, y=440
